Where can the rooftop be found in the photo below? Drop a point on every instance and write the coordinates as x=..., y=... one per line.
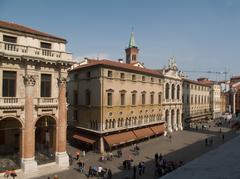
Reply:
x=118, y=65
x=24, y=29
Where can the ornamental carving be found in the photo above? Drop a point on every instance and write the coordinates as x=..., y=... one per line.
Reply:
x=29, y=80
x=62, y=81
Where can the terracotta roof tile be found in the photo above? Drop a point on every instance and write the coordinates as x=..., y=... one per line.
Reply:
x=109, y=63
x=195, y=82
x=21, y=28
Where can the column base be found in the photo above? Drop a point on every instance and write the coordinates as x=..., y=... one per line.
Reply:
x=180, y=127
x=101, y=146
x=62, y=159
x=29, y=165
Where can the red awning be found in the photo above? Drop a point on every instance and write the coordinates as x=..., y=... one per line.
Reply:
x=144, y=132
x=84, y=138
x=158, y=129
x=120, y=138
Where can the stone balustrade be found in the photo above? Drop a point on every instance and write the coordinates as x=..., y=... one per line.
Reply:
x=20, y=50
x=11, y=102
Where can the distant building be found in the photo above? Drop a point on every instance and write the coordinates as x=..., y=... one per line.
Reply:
x=112, y=103
x=172, y=96
x=33, y=71
x=196, y=100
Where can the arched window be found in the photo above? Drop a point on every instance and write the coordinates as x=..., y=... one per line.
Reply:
x=106, y=124
x=173, y=91
x=113, y=123
x=110, y=124
x=178, y=91
x=167, y=91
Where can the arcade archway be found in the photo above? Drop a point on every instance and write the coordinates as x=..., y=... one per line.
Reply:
x=45, y=140
x=10, y=143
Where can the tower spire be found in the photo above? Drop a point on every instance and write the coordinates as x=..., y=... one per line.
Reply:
x=131, y=41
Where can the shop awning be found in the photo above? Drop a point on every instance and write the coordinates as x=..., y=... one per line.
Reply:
x=120, y=138
x=142, y=133
x=84, y=138
x=159, y=129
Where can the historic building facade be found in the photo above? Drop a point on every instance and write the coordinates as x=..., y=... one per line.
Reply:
x=33, y=114
x=112, y=103
x=196, y=99
x=172, y=96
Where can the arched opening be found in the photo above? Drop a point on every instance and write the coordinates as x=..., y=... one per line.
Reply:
x=10, y=144
x=172, y=119
x=167, y=91
x=178, y=91
x=45, y=140
x=173, y=91
x=178, y=118
x=167, y=117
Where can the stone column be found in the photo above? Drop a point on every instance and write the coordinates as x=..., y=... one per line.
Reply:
x=175, y=128
x=101, y=145
x=234, y=101
x=28, y=161
x=169, y=122
x=62, y=158
x=180, y=125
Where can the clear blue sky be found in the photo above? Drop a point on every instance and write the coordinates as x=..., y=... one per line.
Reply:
x=202, y=35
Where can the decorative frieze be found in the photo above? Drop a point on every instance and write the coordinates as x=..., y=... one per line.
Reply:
x=29, y=80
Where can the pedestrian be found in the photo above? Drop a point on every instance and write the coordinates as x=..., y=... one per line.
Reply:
x=160, y=157
x=13, y=174
x=220, y=130
x=223, y=137
x=206, y=142
x=156, y=157
x=134, y=171
x=170, y=138
x=140, y=168
x=55, y=177
x=83, y=153
x=143, y=167
x=90, y=172
x=77, y=155
x=109, y=174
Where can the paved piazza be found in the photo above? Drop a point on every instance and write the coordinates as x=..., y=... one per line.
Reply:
x=185, y=145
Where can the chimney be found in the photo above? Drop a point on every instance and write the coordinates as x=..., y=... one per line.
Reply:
x=120, y=60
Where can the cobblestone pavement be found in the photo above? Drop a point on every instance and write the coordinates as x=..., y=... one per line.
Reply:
x=185, y=145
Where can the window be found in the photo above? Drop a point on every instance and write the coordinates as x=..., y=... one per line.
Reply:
x=143, y=78
x=88, y=97
x=178, y=91
x=9, y=84
x=109, y=99
x=10, y=39
x=152, y=98
x=88, y=74
x=152, y=80
x=143, y=98
x=173, y=91
x=109, y=74
x=75, y=76
x=159, y=98
x=134, y=99
x=122, y=76
x=75, y=97
x=46, y=85
x=122, y=98
x=134, y=77
x=75, y=115
x=134, y=57
x=46, y=45
x=167, y=91
x=191, y=99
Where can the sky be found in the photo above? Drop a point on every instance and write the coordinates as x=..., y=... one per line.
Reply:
x=202, y=35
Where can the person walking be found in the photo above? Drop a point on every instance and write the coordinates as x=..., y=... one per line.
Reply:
x=109, y=174
x=206, y=142
x=156, y=157
x=140, y=168
x=223, y=137
x=134, y=171
x=77, y=155
x=143, y=167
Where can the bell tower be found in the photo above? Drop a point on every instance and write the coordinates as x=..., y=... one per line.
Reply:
x=131, y=51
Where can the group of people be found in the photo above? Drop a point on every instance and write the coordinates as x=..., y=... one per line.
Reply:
x=141, y=169
x=163, y=166
x=99, y=172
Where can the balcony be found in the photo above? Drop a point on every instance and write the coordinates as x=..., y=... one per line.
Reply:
x=47, y=102
x=11, y=103
x=20, y=50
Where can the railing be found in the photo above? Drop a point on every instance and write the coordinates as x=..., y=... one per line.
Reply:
x=16, y=49
x=47, y=101
x=11, y=102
